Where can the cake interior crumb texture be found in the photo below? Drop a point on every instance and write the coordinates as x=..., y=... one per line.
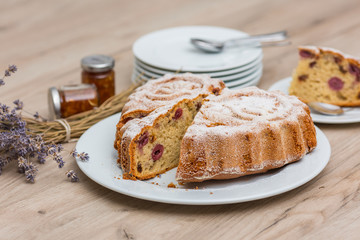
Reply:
x=162, y=141
x=326, y=75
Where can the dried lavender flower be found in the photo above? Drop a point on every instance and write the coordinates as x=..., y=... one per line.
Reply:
x=7, y=73
x=19, y=105
x=72, y=176
x=18, y=143
x=82, y=156
x=12, y=68
x=36, y=116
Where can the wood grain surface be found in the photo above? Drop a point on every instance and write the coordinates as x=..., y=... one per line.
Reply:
x=47, y=39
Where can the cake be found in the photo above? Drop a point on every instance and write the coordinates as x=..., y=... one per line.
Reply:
x=245, y=132
x=326, y=75
x=165, y=91
x=173, y=99
x=151, y=145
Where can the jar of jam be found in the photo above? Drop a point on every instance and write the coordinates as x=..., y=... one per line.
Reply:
x=98, y=70
x=72, y=99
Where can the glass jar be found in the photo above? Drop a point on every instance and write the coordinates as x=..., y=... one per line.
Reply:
x=98, y=70
x=72, y=99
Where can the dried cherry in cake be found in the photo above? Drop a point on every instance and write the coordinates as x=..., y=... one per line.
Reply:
x=178, y=114
x=143, y=140
x=336, y=83
x=306, y=54
x=303, y=77
x=354, y=70
x=157, y=152
x=312, y=64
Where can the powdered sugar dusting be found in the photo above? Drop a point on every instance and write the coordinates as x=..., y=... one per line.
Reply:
x=170, y=89
x=247, y=108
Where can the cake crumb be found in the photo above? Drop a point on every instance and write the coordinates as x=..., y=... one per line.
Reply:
x=171, y=185
x=127, y=176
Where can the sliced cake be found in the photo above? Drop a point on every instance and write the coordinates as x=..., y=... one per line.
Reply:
x=326, y=75
x=151, y=145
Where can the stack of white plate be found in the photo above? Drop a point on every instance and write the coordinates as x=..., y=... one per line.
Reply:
x=170, y=51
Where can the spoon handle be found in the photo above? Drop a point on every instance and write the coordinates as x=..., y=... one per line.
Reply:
x=263, y=44
x=263, y=38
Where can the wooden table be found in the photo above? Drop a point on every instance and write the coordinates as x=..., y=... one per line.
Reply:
x=47, y=39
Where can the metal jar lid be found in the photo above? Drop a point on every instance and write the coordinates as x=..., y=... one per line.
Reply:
x=54, y=103
x=97, y=63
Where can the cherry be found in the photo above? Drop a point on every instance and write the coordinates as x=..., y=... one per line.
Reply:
x=178, y=113
x=336, y=83
x=157, y=152
x=143, y=140
x=354, y=70
x=306, y=54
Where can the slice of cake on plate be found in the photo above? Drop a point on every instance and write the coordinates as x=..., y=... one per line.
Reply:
x=326, y=75
x=151, y=145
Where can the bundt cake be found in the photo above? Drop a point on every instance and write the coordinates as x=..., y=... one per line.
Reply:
x=326, y=75
x=165, y=91
x=245, y=132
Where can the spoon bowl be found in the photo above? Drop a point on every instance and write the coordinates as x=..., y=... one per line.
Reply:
x=326, y=109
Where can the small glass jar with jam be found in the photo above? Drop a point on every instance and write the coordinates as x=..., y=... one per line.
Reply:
x=72, y=99
x=98, y=70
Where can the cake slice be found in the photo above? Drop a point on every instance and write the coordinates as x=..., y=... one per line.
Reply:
x=326, y=75
x=151, y=145
x=165, y=91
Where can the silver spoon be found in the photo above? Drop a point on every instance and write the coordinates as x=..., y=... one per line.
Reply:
x=327, y=109
x=262, y=40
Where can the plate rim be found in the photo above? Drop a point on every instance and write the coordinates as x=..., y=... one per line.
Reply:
x=229, y=200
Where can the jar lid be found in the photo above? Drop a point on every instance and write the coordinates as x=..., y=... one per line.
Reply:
x=54, y=103
x=97, y=63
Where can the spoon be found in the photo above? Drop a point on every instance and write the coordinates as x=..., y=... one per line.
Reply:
x=261, y=40
x=326, y=109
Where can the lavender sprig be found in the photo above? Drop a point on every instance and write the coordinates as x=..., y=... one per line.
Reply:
x=18, y=143
x=7, y=73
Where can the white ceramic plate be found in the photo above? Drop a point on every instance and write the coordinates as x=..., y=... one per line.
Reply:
x=98, y=142
x=171, y=49
x=245, y=79
x=253, y=82
x=241, y=69
x=352, y=116
x=226, y=78
x=229, y=81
